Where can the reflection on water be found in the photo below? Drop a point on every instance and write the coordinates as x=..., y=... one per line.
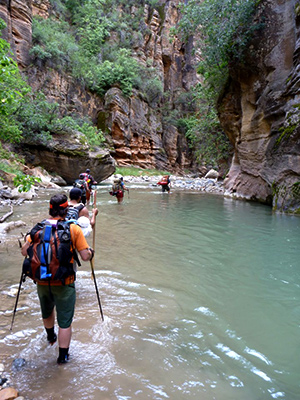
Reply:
x=200, y=296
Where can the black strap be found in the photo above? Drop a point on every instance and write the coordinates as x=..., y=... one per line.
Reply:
x=80, y=207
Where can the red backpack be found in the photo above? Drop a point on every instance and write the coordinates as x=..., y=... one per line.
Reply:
x=51, y=253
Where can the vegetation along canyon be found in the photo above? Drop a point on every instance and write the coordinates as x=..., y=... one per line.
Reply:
x=168, y=85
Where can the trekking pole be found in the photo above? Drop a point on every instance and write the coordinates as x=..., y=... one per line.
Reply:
x=92, y=263
x=22, y=279
x=17, y=299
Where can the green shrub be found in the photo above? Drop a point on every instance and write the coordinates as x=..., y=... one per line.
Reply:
x=53, y=40
x=36, y=117
x=122, y=72
x=24, y=182
x=93, y=135
x=225, y=28
x=203, y=130
x=39, y=119
x=82, y=44
x=12, y=91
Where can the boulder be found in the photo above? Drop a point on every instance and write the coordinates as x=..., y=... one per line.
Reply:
x=6, y=193
x=67, y=155
x=8, y=394
x=212, y=174
x=48, y=181
x=23, y=195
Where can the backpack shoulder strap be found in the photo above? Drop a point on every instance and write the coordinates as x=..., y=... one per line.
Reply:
x=36, y=228
x=75, y=255
x=80, y=207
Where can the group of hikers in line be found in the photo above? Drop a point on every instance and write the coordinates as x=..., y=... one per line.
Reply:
x=51, y=256
x=85, y=183
x=118, y=187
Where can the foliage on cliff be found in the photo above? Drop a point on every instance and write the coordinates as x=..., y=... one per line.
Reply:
x=25, y=114
x=28, y=115
x=93, y=40
x=12, y=91
x=224, y=29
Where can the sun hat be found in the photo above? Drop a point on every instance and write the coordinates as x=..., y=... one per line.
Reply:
x=85, y=225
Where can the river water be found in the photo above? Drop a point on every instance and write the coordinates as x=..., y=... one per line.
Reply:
x=201, y=300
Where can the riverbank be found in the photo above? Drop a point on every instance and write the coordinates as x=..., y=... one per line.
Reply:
x=206, y=185
x=11, y=198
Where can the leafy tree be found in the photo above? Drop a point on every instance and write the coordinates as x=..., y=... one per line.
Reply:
x=24, y=182
x=12, y=90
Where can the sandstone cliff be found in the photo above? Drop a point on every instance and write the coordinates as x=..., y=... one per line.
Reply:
x=260, y=111
x=136, y=130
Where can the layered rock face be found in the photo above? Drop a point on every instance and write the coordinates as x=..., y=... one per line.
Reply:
x=137, y=132
x=68, y=156
x=260, y=112
x=18, y=17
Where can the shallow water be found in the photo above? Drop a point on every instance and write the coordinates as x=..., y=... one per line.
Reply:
x=200, y=296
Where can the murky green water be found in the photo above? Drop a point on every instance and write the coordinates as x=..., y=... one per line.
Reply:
x=201, y=298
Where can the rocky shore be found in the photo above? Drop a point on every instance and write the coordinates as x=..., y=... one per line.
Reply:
x=10, y=196
x=6, y=391
x=208, y=184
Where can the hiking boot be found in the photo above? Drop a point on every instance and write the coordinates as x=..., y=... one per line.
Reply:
x=52, y=339
x=63, y=360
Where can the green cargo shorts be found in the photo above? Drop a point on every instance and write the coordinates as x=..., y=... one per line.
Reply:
x=61, y=297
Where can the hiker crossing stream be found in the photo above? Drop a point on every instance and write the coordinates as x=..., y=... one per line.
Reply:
x=200, y=296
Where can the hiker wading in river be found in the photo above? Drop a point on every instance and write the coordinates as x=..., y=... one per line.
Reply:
x=50, y=250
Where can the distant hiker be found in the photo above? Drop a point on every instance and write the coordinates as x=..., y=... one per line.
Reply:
x=78, y=210
x=50, y=251
x=165, y=183
x=89, y=178
x=90, y=181
x=118, y=189
x=82, y=185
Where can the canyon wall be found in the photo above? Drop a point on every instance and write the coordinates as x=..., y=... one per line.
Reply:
x=260, y=111
x=136, y=130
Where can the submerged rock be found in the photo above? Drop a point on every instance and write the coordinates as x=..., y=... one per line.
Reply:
x=2, y=381
x=18, y=364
